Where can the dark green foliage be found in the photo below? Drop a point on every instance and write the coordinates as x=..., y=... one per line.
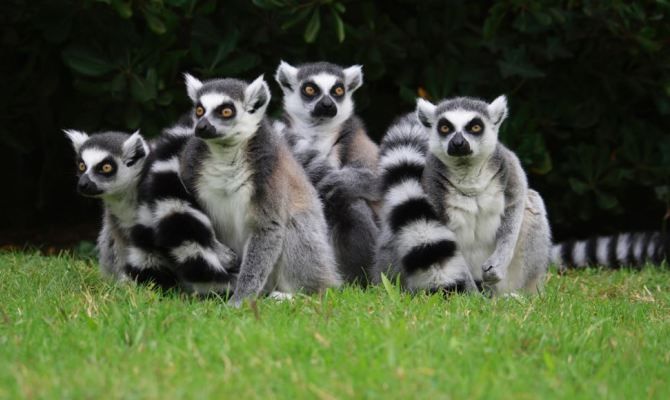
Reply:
x=588, y=83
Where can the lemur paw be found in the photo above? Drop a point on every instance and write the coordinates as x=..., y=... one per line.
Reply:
x=491, y=274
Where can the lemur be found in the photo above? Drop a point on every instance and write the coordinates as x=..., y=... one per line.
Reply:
x=257, y=196
x=331, y=143
x=109, y=167
x=415, y=245
x=480, y=192
x=623, y=249
x=187, y=253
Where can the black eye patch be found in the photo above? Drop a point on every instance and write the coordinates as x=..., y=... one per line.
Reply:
x=475, y=127
x=444, y=127
x=309, y=90
x=107, y=167
x=337, y=91
x=225, y=111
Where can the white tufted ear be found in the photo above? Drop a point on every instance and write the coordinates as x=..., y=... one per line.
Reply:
x=257, y=96
x=498, y=110
x=286, y=76
x=76, y=137
x=134, y=149
x=425, y=111
x=353, y=77
x=192, y=86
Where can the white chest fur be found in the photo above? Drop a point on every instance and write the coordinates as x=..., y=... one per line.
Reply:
x=475, y=208
x=224, y=189
x=320, y=138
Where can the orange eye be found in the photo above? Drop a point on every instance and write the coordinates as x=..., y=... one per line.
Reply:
x=199, y=111
x=476, y=128
x=444, y=128
x=82, y=167
x=339, y=91
x=309, y=90
x=227, y=112
x=107, y=168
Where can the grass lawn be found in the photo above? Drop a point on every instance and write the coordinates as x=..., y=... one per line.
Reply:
x=65, y=333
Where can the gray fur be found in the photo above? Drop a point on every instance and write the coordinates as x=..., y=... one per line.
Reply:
x=307, y=70
x=463, y=103
x=232, y=87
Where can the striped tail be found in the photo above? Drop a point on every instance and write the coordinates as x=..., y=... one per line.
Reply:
x=182, y=232
x=620, y=250
x=423, y=245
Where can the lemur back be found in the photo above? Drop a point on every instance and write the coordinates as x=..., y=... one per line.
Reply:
x=334, y=149
x=259, y=200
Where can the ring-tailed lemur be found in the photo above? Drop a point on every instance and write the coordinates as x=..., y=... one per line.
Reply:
x=414, y=244
x=171, y=222
x=331, y=143
x=109, y=167
x=258, y=198
x=624, y=249
x=479, y=190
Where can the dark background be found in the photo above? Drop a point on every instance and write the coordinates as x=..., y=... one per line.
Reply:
x=588, y=84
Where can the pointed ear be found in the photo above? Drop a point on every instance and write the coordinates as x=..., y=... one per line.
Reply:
x=287, y=76
x=76, y=137
x=353, y=77
x=425, y=112
x=192, y=86
x=134, y=149
x=498, y=110
x=257, y=96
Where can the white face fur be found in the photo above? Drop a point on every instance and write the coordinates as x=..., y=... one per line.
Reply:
x=461, y=134
x=222, y=118
x=105, y=172
x=321, y=99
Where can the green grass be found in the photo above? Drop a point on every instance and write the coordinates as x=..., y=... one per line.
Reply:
x=65, y=333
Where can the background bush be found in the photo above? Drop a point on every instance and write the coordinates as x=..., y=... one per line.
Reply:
x=588, y=83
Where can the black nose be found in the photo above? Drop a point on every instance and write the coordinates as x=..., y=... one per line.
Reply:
x=205, y=130
x=325, y=108
x=458, y=146
x=87, y=187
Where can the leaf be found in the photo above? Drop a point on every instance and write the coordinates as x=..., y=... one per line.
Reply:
x=144, y=90
x=493, y=21
x=123, y=8
x=339, y=7
x=313, y=26
x=295, y=18
x=155, y=23
x=606, y=201
x=86, y=61
x=577, y=186
x=339, y=26
x=133, y=116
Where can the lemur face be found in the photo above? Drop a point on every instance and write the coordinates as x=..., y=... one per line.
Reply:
x=109, y=163
x=227, y=111
x=320, y=93
x=462, y=128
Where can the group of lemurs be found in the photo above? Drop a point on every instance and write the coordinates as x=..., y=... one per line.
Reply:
x=229, y=201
